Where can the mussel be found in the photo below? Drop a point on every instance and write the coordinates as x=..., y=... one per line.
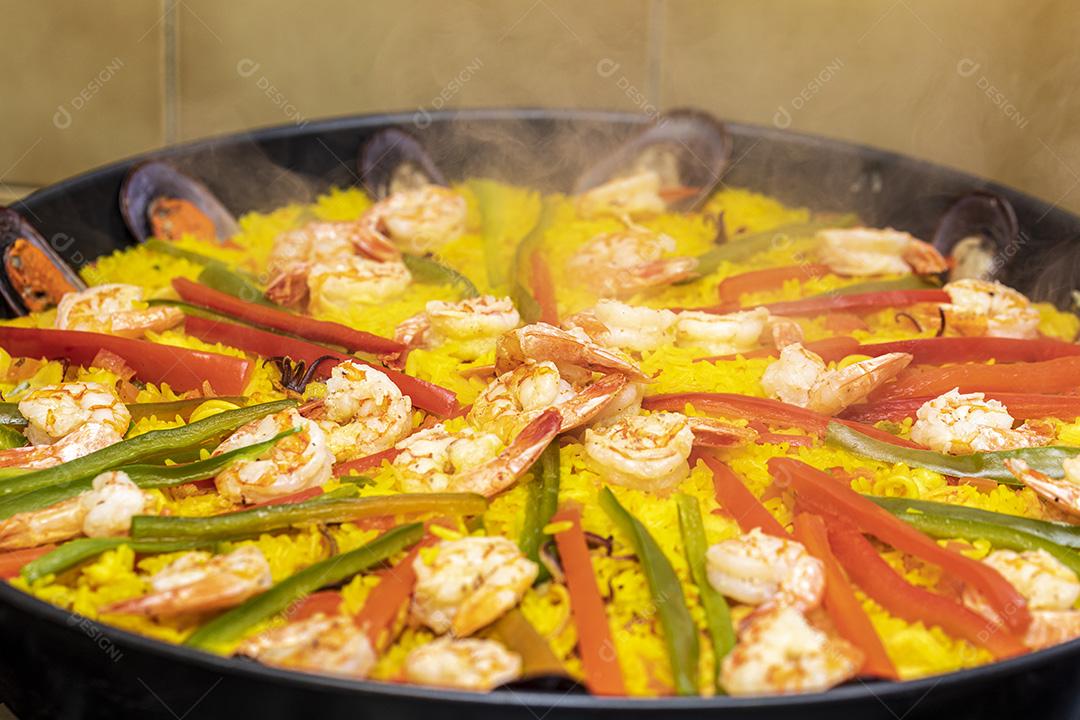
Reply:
x=688, y=149
x=34, y=277
x=157, y=200
x=392, y=160
x=980, y=233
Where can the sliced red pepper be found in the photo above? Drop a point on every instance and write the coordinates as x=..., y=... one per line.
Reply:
x=425, y=395
x=386, y=600
x=822, y=494
x=1021, y=406
x=603, y=676
x=856, y=302
x=830, y=350
x=183, y=369
x=263, y=316
x=844, y=609
x=1050, y=377
x=12, y=561
x=543, y=288
x=737, y=499
x=732, y=288
x=367, y=462
x=770, y=438
x=887, y=588
x=327, y=602
x=937, y=351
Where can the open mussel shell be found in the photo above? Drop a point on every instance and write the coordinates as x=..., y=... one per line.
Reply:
x=392, y=160
x=686, y=148
x=156, y=180
x=980, y=233
x=33, y=276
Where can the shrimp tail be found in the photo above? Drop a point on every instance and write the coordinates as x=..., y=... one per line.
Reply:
x=290, y=288
x=849, y=385
x=501, y=472
x=591, y=401
x=712, y=433
x=541, y=341
x=924, y=258
x=1062, y=493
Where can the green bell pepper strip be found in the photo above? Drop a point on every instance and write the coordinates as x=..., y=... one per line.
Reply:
x=232, y=625
x=152, y=445
x=11, y=438
x=332, y=507
x=427, y=270
x=11, y=417
x=523, y=298
x=144, y=476
x=717, y=613
x=940, y=522
x=680, y=633
x=542, y=503
x=74, y=552
x=908, y=282
x=989, y=465
x=220, y=278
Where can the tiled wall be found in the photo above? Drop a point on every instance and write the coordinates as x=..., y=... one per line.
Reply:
x=985, y=86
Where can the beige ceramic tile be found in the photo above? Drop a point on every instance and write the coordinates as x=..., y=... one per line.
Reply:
x=81, y=86
x=247, y=63
x=979, y=86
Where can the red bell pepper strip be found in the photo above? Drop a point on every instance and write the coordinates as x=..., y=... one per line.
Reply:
x=844, y=609
x=914, y=604
x=737, y=499
x=1021, y=406
x=830, y=350
x=268, y=317
x=1049, y=377
x=856, y=302
x=327, y=602
x=183, y=369
x=367, y=462
x=387, y=599
x=12, y=561
x=940, y=350
x=425, y=395
x=603, y=676
x=543, y=288
x=732, y=288
x=823, y=495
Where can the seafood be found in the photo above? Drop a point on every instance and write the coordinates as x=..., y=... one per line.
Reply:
x=295, y=251
x=297, y=462
x=631, y=328
x=417, y=221
x=363, y=412
x=636, y=195
x=325, y=644
x=649, y=452
x=974, y=231
x=468, y=664
x=198, y=582
x=103, y=511
x=464, y=585
x=347, y=281
x=982, y=307
x=628, y=261
x=735, y=332
x=870, y=251
x=158, y=200
x=471, y=325
x=114, y=309
x=800, y=377
x=34, y=276
x=779, y=652
x=573, y=352
x=436, y=460
x=963, y=423
x=767, y=571
x=1064, y=493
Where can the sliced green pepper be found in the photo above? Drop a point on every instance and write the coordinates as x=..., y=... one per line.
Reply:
x=11, y=438
x=908, y=282
x=680, y=633
x=428, y=270
x=542, y=503
x=500, y=207
x=989, y=465
x=220, y=277
x=717, y=613
x=72, y=553
x=523, y=298
x=155, y=444
x=10, y=415
x=170, y=409
x=232, y=625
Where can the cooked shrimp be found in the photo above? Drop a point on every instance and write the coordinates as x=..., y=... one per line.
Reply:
x=735, y=332
x=634, y=195
x=103, y=511
x=961, y=424
x=760, y=569
x=469, y=664
x=626, y=327
x=320, y=643
x=417, y=221
x=516, y=398
x=297, y=462
x=114, y=309
x=779, y=652
x=649, y=452
x=363, y=412
x=472, y=325
x=570, y=351
x=983, y=307
x=622, y=263
x=345, y=282
x=871, y=251
x=199, y=582
x=436, y=460
x=800, y=377
x=464, y=585
x=1063, y=492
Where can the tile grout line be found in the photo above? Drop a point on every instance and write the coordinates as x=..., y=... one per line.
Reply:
x=170, y=48
x=654, y=48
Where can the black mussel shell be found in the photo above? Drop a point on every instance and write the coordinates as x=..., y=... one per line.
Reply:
x=155, y=180
x=980, y=232
x=687, y=148
x=392, y=160
x=33, y=276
